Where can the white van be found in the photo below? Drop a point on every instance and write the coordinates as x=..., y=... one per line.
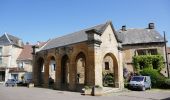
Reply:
x=140, y=82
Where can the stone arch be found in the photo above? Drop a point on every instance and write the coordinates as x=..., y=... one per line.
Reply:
x=40, y=71
x=65, y=62
x=80, y=69
x=110, y=70
x=51, y=68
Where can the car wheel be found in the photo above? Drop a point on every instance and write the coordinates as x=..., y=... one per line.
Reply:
x=143, y=88
x=6, y=84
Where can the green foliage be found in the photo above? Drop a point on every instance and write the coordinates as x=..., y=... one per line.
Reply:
x=108, y=79
x=157, y=79
x=167, y=81
x=166, y=84
x=148, y=61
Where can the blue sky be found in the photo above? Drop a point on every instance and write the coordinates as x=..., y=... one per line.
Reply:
x=40, y=20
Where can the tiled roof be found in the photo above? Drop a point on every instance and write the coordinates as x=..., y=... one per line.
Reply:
x=138, y=36
x=75, y=37
x=26, y=53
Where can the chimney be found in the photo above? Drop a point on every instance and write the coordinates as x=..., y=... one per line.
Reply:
x=151, y=26
x=124, y=28
x=27, y=43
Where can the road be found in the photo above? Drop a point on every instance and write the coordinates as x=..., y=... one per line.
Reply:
x=24, y=93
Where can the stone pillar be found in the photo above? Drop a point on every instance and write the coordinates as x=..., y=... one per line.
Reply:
x=90, y=67
x=58, y=73
x=120, y=71
x=35, y=73
x=98, y=66
x=72, y=74
x=34, y=67
x=46, y=75
x=94, y=41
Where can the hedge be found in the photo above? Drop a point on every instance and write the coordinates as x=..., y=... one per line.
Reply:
x=148, y=61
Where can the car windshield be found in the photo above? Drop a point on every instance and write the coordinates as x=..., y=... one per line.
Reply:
x=137, y=79
x=11, y=80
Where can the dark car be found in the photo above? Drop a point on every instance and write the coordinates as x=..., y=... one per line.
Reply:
x=11, y=82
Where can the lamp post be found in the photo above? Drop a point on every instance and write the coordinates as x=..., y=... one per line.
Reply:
x=167, y=61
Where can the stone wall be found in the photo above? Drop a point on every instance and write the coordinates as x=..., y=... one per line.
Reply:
x=130, y=51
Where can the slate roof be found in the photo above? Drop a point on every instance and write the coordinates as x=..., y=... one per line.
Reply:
x=139, y=36
x=26, y=53
x=72, y=38
x=8, y=39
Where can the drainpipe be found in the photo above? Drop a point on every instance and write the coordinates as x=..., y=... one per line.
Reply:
x=167, y=63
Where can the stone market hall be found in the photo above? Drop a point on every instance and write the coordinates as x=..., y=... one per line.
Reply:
x=88, y=57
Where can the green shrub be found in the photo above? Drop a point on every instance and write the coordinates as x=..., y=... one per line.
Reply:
x=166, y=84
x=157, y=79
x=167, y=81
x=148, y=61
x=108, y=79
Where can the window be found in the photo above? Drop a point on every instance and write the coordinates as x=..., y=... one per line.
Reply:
x=152, y=51
x=141, y=52
x=106, y=65
x=147, y=51
x=0, y=50
x=21, y=64
x=0, y=60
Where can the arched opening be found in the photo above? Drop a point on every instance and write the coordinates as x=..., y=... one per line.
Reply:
x=65, y=72
x=110, y=71
x=80, y=70
x=40, y=73
x=52, y=71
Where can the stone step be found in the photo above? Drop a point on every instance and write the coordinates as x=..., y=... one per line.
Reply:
x=107, y=90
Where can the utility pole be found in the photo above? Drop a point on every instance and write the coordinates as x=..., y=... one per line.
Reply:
x=166, y=55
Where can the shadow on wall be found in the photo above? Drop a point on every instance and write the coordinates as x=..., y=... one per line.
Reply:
x=166, y=98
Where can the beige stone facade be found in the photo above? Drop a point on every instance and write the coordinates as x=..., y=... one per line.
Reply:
x=9, y=55
x=10, y=49
x=80, y=64
x=144, y=41
x=130, y=51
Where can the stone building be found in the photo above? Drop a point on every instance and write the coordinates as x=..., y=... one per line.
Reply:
x=141, y=42
x=80, y=59
x=24, y=62
x=168, y=56
x=10, y=49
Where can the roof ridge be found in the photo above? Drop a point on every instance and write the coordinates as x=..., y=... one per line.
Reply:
x=79, y=31
x=7, y=37
x=74, y=37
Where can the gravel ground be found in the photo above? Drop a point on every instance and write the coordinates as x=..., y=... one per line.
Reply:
x=24, y=93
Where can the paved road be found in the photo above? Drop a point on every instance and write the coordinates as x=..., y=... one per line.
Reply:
x=24, y=93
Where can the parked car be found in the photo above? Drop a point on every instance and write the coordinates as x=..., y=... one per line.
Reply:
x=140, y=82
x=11, y=82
